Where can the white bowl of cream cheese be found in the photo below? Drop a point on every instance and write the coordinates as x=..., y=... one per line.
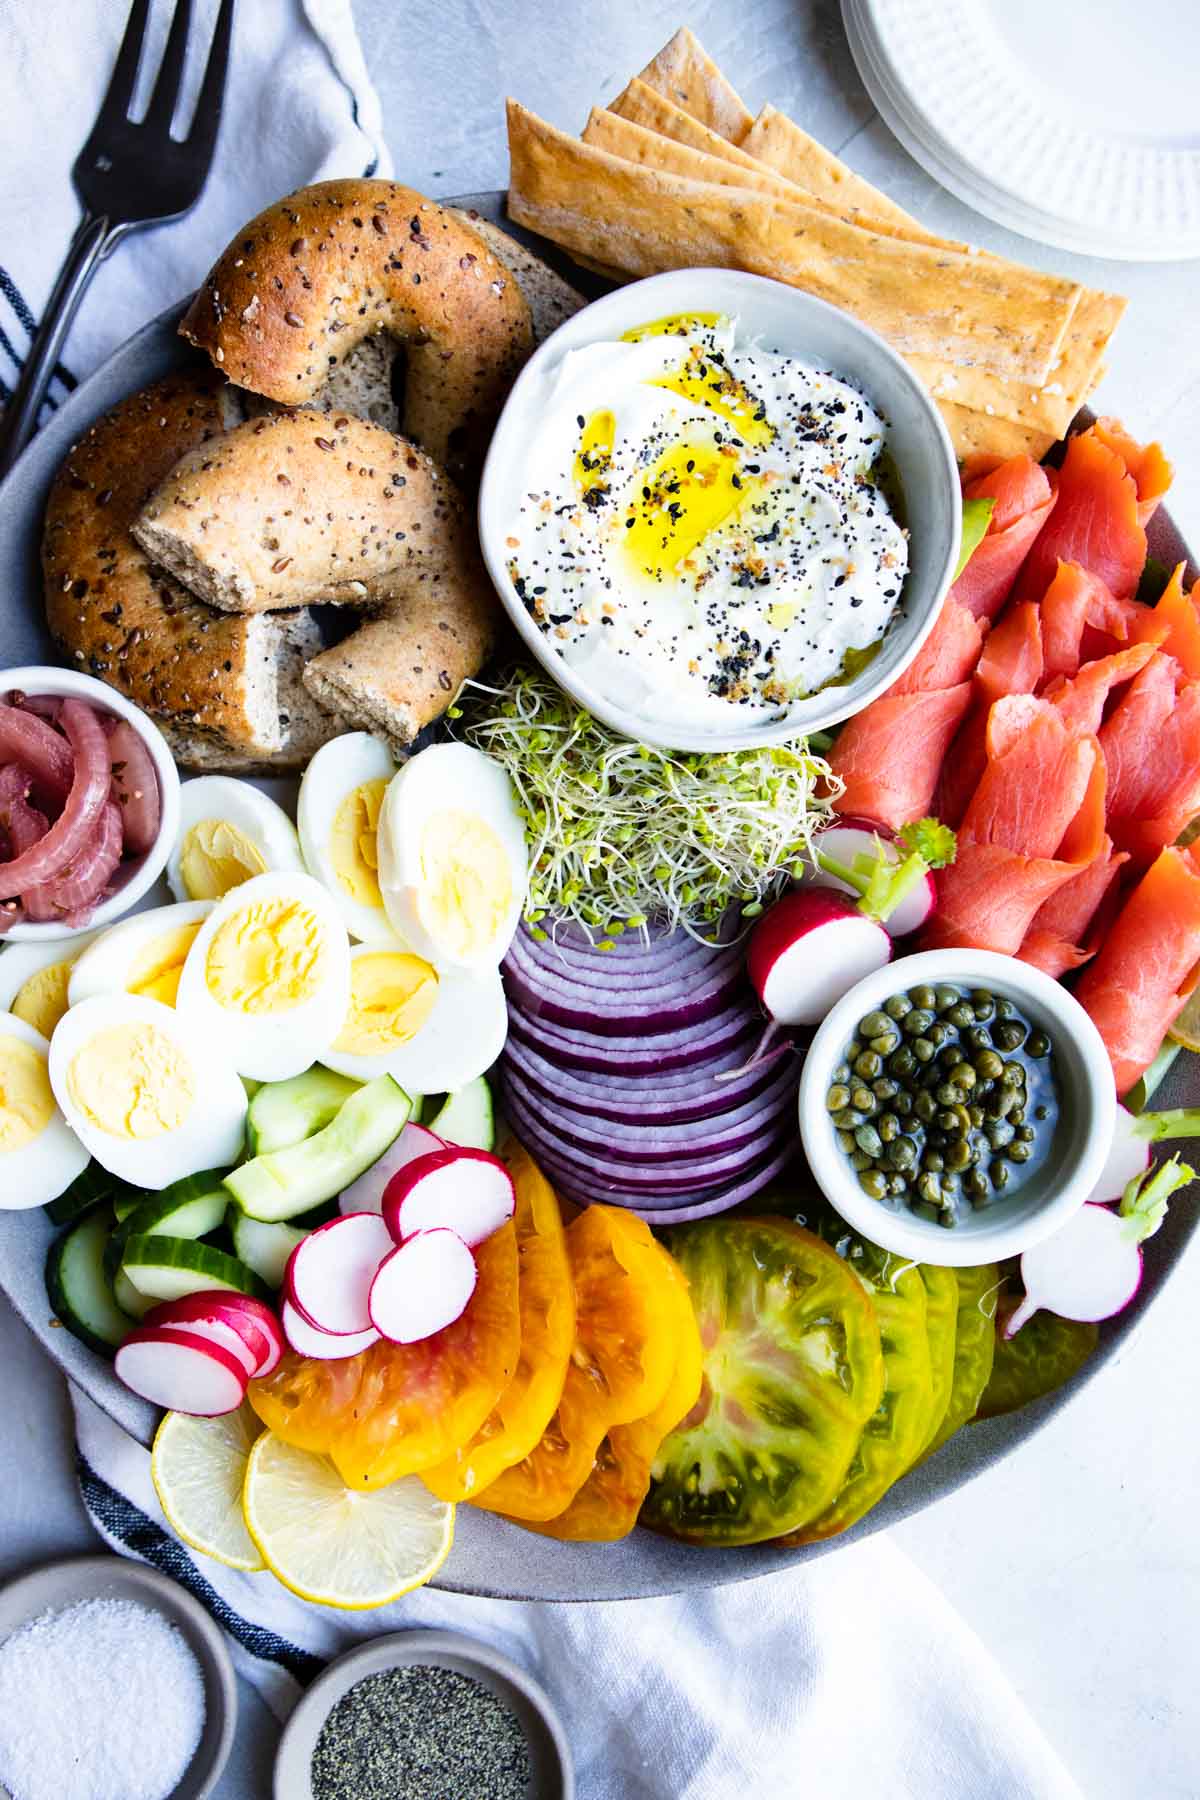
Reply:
x=719, y=512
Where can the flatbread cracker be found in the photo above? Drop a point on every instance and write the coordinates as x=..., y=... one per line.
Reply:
x=974, y=433
x=926, y=301
x=779, y=142
x=685, y=72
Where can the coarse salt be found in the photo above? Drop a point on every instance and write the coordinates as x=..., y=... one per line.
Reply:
x=102, y=1700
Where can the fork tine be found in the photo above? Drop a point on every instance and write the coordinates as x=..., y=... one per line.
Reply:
x=115, y=104
x=165, y=96
x=207, y=118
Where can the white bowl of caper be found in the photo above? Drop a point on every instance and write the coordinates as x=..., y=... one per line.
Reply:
x=957, y=1106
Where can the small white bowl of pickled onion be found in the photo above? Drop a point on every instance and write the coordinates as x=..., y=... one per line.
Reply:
x=139, y=868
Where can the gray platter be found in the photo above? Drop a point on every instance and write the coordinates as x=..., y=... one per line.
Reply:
x=491, y=1557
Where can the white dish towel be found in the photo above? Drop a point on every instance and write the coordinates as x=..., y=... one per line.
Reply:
x=849, y=1678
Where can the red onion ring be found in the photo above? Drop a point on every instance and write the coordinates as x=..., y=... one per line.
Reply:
x=80, y=884
x=751, y=1184
x=89, y=790
x=644, y=1053
x=673, y=1099
x=135, y=787
x=30, y=741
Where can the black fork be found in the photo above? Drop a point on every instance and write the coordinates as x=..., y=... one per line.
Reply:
x=129, y=174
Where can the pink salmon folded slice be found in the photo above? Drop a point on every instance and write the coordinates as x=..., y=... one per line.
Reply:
x=1024, y=499
x=1151, y=746
x=1011, y=663
x=1095, y=522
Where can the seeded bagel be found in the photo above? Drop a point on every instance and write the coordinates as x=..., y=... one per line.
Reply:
x=301, y=507
x=316, y=273
x=226, y=691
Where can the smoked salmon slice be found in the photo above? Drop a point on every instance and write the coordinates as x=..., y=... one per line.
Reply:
x=1080, y=702
x=1094, y=523
x=1147, y=965
x=889, y=756
x=1083, y=619
x=1152, y=473
x=1058, y=939
x=1151, y=746
x=1024, y=498
x=1016, y=845
x=1179, y=613
x=1011, y=663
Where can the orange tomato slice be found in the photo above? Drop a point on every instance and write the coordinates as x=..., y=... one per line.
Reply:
x=620, y=1365
x=546, y=1298
x=397, y=1409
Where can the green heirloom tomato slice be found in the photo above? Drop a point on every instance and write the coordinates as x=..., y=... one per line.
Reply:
x=941, y=1327
x=792, y=1372
x=1045, y=1353
x=899, y=1425
x=974, y=1348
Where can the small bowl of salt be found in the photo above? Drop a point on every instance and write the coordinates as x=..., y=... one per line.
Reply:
x=114, y=1685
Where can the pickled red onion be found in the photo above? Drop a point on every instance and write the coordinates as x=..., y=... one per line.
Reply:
x=90, y=786
x=83, y=880
x=135, y=787
x=29, y=740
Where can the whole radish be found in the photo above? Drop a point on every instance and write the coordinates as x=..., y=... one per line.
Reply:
x=812, y=947
x=1133, y=1136
x=889, y=875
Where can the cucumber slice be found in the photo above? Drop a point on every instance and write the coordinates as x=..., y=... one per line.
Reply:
x=189, y=1208
x=128, y=1299
x=79, y=1292
x=167, y=1268
x=282, y=1113
x=127, y=1202
x=468, y=1117
x=88, y=1189
x=286, y=1182
x=262, y=1247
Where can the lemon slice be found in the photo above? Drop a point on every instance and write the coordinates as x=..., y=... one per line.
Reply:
x=1186, y=1028
x=198, y=1467
x=333, y=1546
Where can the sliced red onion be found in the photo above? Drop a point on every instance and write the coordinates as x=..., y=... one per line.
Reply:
x=45, y=753
x=609, y=1013
x=672, y=1099
x=76, y=889
x=583, y=1186
x=636, y=1140
x=89, y=790
x=666, y=958
x=135, y=787
x=638, y=1053
x=46, y=706
x=743, y=1190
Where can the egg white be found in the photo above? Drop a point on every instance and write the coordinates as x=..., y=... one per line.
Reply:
x=247, y=809
x=340, y=766
x=107, y=965
x=461, y=1038
x=19, y=962
x=38, y=1172
x=212, y=1133
x=447, y=778
x=272, y=1046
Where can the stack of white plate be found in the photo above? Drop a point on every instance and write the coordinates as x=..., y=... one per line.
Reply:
x=1072, y=121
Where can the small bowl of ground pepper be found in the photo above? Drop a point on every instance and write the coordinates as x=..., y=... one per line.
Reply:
x=424, y=1715
x=957, y=1106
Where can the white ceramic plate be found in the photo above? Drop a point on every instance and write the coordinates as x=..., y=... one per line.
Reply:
x=1071, y=122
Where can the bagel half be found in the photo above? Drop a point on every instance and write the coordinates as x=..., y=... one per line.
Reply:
x=227, y=691
x=302, y=508
x=318, y=272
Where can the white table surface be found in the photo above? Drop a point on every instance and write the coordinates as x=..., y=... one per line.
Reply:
x=1077, y=1560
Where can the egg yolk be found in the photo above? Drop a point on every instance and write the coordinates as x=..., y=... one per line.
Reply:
x=353, y=845
x=466, y=883
x=391, y=996
x=692, y=489
x=216, y=856
x=266, y=958
x=155, y=973
x=26, y=1101
x=132, y=1081
x=42, y=1000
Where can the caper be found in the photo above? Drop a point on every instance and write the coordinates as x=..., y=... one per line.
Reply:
x=859, y=1160
x=1020, y=1152
x=868, y=1064
x=885, y=1043
x=873, y=1183
x=946, y=1217
x=846, y=1140
x=885, y=1088
x=837, y=1097
x=958, y=1156
x=1009, y=1035
x=933, y=1161
x=852, y=1049
x=869, y=1141
x=983, y=1005
x=924, y=1106
x=998, y=1172
x=923, y=997
x=938, y=1033
x=989, y=1066
x=888, y=1127
x=848, y=1119
x=948, y=1121
x=842, y=1072
x=1001, y=1103
x=976, y=1182
x=1026, y=1134
x=949, y=1094
x=923, y=1049
x=952, y=1056
x=902, y=1153
x=1037, y=1044
x=976, y=1115
x=980, y=1200
x=902, y=1105
x=947, y=997
x=898, y=1006
x=902, y=1062
x=918, y=1022
x=1000, y=1134
x=1013, y=1076
x=965, y=1076
x=929, y=1188
x=1041, y=1112
x=897, y=1184
x=876, y=1024
x=925, y=1209
x=961, y=1015
x=1005, y=1009
x=977, y=1038
x=862, y=1100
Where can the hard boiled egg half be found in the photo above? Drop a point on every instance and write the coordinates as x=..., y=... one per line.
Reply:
x=143, y=954
x=39, y=1153
x=146, y=1092
x=341, y=795
x=453, y=867
x=34, y=979
x=268, y=976
x=228, y=833
x=431, y=1032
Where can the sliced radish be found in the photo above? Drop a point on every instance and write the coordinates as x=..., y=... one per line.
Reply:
x=182, y=1371
x=306, y=1340
x=856, y=845
x=366, y=1194
x=217, y=1332
x=470, y=1192
x=329, y=1273
x=423, y=1286
x=254, y=1322
x=1133, y=1136
x=810, y=949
